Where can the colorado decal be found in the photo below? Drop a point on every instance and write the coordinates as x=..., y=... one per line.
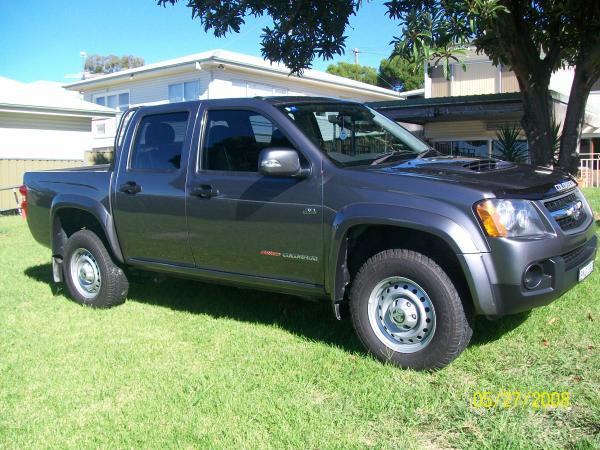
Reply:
x=289, y=255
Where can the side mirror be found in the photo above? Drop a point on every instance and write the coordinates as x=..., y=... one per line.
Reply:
x=280, y=162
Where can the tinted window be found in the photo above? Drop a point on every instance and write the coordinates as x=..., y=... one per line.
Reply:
x=234, y=138
x=159, y=141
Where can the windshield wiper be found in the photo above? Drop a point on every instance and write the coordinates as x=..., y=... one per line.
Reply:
x=385, y=156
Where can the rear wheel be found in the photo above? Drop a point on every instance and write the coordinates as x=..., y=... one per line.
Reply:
x=407, y=311
x=91, y=276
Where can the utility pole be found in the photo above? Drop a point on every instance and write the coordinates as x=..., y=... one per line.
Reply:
x=356, y=52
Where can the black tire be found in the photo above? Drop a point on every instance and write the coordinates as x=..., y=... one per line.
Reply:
x=453, y=327
x=112, y=284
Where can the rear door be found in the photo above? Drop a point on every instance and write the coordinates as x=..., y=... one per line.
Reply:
x=149, y=199
x=247, y=223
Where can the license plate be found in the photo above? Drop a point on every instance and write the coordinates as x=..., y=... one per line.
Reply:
x=586, y=270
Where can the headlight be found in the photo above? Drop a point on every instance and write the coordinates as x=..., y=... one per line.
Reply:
x=509, y=218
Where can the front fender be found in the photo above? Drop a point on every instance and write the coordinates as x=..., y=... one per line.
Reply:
x=95, y=208
x=463, y=238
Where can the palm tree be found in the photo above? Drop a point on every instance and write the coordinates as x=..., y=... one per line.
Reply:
x=509, y=147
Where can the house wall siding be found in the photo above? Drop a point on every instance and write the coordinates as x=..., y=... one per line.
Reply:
x=154, y=90
x=459, y=130
x=239, y=84
x=509, y=82
x=477, y=79
x=37, y=136
x=480, y=77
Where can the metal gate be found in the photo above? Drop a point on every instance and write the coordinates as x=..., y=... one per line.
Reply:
x=589, y=169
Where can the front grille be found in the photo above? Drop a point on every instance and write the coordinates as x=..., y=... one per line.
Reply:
x=574, y=257
x=555, y=205
x=568, y=222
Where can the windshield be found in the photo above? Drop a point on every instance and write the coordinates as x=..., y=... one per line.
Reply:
x=351, y=134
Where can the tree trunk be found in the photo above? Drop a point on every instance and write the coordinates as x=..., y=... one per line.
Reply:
x=537, y=120
x=571, y=132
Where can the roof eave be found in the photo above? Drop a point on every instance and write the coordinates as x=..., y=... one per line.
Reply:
x=215, y=60
x=72, y=112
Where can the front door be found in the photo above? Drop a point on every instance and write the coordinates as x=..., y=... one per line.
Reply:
x=242, y=222
x=150, y=187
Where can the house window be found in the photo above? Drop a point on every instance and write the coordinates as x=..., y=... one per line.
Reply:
x=183, y=92
x=117, y=100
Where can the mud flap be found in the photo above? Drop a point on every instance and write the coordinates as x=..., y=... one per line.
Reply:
x=57, y=272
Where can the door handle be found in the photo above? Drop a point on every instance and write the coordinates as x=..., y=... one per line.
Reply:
x=131, y=187
x=204, y=191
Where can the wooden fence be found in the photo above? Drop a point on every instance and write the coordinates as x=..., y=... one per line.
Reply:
x=12, y=171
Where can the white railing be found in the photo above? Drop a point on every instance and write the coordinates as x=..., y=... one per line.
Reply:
x=589, y=169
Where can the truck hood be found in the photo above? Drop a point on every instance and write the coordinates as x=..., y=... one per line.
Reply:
x=502, y=178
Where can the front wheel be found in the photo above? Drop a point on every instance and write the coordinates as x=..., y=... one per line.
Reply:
x=407, y=311
x=92, y=278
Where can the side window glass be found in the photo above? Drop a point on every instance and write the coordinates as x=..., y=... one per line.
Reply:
x=233, y=139
x=159, y=142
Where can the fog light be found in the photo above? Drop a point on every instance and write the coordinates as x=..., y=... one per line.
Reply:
x=533, y=276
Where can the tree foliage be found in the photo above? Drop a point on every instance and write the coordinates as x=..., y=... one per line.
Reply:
x=356, y=72
x=302, y=30
x=400, y=74
x=533, y=38
x=111, y=63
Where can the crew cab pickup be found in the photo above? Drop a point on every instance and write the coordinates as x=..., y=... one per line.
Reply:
x=319, y=198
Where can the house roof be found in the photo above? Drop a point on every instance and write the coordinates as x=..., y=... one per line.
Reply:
x=448, y=108
x=46, y=97
x=421, y=110
x=240, y=61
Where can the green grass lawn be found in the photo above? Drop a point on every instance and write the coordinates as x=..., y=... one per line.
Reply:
x=185, y=364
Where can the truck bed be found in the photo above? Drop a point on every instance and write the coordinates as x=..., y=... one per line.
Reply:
x=73, y=185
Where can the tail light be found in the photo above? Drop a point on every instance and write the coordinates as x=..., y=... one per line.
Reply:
x=23, y=192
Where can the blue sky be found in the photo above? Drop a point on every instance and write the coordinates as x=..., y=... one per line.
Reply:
x=42, y=39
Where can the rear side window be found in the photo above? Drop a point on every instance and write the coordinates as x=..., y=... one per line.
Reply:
x=234, y=138
x=159, y=141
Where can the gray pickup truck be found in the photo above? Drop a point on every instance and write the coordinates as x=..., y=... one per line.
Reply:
x=317, y=198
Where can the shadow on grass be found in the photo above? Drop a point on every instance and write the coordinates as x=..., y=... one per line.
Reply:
x=308, y=319
x=490, y=330
x=311, y=320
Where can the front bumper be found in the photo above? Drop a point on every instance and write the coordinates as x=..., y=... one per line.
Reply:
x=496, y=279
x=564, y=273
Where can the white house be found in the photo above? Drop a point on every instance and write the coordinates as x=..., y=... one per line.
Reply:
x=214, y=74
x=41, y=120
x=42, y=126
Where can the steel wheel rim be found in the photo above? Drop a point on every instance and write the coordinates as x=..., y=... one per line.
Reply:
x=401, y=314
x=85, y=273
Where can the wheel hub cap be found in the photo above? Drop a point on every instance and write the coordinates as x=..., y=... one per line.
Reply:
x=85, y=273
x=404, y=313
x=401, y=314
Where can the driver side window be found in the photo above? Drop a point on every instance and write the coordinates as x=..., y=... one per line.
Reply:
x=233, y=139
